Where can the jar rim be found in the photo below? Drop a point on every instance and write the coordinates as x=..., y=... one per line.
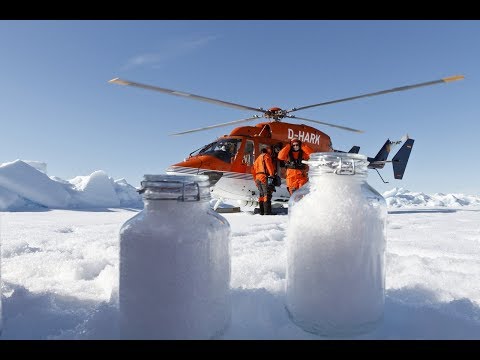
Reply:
x=320, y=155
x=175, y=187
x=338, y=163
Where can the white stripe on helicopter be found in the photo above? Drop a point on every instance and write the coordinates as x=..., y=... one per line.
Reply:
x=197, y=171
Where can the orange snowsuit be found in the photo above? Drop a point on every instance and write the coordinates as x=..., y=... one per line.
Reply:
x=262, y=167
x=295, y=177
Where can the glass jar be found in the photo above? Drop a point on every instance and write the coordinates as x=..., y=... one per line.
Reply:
x=336, y=237
x=175, y=263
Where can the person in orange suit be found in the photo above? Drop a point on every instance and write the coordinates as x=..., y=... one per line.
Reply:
x=297, y=172
x=263, y=168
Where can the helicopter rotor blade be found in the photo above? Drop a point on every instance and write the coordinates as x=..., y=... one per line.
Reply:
x=184, y=94
x=401, y=88
x=217, y=125
x=325, y=123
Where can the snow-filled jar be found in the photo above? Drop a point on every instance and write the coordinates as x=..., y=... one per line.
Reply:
x=175, y=263
x=336, y=238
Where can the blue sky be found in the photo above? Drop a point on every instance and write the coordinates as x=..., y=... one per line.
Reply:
x=57, y=106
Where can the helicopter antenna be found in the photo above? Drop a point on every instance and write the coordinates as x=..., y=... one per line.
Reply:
x=385, y=182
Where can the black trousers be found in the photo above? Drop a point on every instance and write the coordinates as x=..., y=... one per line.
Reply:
x=264, y=190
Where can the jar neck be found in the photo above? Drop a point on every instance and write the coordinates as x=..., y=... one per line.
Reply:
x=344, y=166
x=177, y=189
x=171, y=205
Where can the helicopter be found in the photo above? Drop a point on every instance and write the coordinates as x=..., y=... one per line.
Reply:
x=228, y=160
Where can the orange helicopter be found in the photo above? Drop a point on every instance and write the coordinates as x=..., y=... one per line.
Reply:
x=228, y=160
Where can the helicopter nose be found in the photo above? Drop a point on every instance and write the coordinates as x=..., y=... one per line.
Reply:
x=188, y=166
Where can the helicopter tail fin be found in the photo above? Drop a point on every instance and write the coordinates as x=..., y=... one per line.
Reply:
x=383, y=152
x=354, y=150
x=378, y=162
x=400, y=160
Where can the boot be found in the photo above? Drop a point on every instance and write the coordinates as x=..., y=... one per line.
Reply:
x=262, y=208
x=268, y=207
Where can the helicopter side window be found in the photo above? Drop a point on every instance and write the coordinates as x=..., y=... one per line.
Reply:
x=248, y=154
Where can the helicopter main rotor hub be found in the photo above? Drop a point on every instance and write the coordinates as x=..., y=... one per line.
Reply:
x=275, y=113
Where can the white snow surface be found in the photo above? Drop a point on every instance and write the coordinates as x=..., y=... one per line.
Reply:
x=24, y=187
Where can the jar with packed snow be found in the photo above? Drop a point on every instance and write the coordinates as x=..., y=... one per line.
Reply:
x=336, y=235
x=175, y=263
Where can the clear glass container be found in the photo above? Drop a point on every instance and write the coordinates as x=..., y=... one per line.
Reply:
x=336, y=238
x=175, y=263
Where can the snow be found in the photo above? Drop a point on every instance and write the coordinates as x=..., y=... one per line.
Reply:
x=32, y=185
x=23, y=186
x=60, y=250
x=399, y=197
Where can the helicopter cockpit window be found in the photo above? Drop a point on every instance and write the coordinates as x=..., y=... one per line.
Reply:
x=224, y=149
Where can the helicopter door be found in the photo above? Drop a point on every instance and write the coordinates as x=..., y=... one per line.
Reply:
x=245, y=166
x=248, y=154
